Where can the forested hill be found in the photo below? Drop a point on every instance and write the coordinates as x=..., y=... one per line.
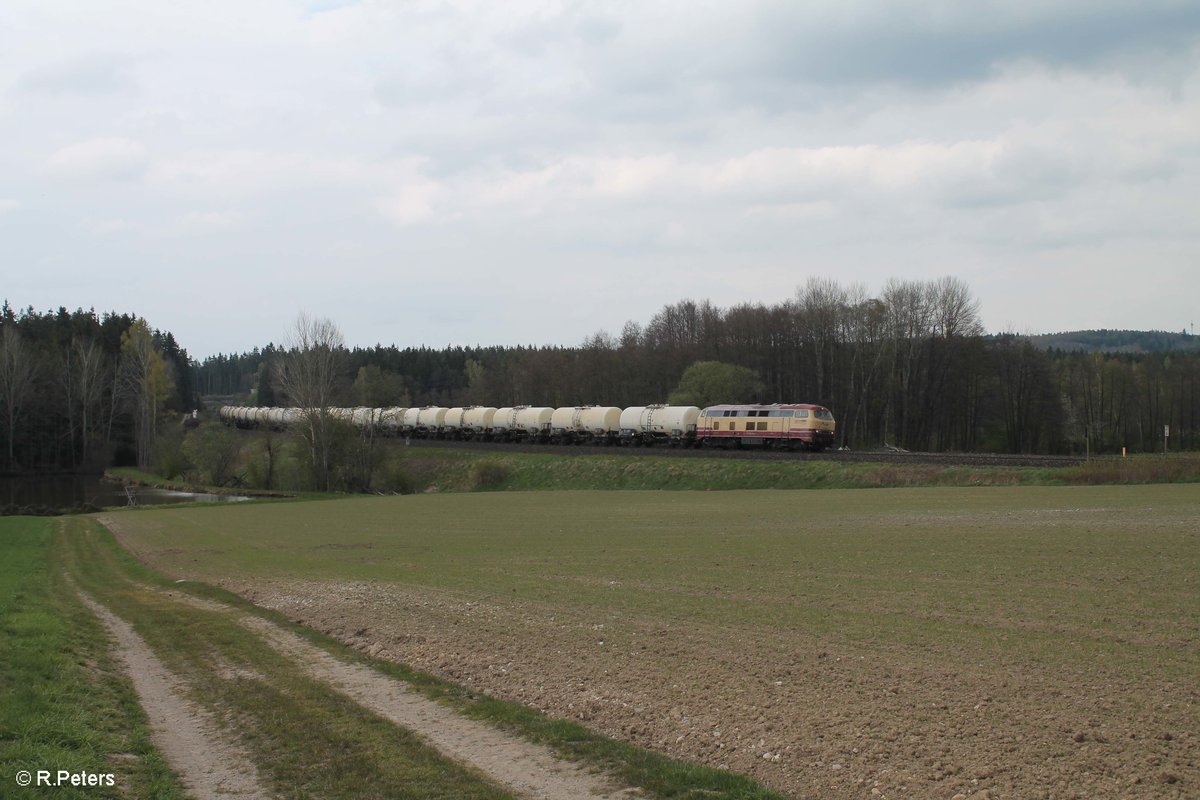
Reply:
x=81, y=390
x=910, y=367
x=1105, y=341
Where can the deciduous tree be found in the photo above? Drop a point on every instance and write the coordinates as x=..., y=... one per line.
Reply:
x=145, y=385
x=310, y=368
x=18, y=370
x=707, y=383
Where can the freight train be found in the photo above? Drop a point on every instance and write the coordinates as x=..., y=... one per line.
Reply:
x=783, y=426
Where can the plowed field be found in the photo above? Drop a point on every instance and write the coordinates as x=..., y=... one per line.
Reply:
x=1028, y=642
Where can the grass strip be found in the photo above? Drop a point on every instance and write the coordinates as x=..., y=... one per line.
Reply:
x=435, y=469
x=657, y=775
x=65, y=703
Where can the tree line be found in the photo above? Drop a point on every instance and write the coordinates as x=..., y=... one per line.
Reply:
x=80, y=391
x=908, y=367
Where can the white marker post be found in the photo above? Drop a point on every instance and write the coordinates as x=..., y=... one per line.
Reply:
x=1166, y=433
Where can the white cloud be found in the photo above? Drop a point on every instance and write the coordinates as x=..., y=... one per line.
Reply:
x=83, y=74
x=100, y=159
x=200, y=222
x=412, y=204
x=107, y=227
x=242, y=171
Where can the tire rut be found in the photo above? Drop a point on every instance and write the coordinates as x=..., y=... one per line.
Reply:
x=209, y=764
x=523, y=767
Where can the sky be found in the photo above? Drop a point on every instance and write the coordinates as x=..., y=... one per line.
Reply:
x=427, y=173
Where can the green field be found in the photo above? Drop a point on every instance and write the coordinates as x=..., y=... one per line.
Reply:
x=1100, y=566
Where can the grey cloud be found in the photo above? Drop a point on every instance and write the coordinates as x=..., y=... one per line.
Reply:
x=785, y=57
x=918, y=49
x=596, y=30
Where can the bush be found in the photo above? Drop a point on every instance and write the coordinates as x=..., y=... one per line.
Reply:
x=214, y=449
x=396, y=480
x=490, y=474
x=169, y=457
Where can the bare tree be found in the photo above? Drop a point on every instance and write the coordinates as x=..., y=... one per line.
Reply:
x=312, y=363
x=955, y=312
x=822, y=302
x=18, y=370
x=83, y=378
x=908, y=328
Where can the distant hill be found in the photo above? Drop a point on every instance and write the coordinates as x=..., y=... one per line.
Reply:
x=1118, y=342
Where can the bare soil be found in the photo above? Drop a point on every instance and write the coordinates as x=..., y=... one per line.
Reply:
x=810, y=717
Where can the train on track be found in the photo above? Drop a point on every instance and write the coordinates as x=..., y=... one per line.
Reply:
x=790, y=426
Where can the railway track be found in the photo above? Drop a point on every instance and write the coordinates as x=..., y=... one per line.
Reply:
x=844, y=456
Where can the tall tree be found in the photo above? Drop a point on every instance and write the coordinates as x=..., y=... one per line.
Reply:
x=310, y=368
x=146, y=385
x=84, y=376
x=18, y=370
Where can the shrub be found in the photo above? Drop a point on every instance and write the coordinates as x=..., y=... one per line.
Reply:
x=490, y=474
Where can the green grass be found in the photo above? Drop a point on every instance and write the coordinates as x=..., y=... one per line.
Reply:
x=467, y=470
x=1145, y=468
x=1041, y=573
x=416, y=469
x=64, y=704
x=475, y=470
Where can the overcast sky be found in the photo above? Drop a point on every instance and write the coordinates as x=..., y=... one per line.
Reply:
x=519, y=172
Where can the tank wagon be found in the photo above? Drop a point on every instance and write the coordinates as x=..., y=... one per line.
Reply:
x=785, y=426
x=477, y=422
x=580, y=424
x=648, y=425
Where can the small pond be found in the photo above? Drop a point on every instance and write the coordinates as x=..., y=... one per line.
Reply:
x=72, y=491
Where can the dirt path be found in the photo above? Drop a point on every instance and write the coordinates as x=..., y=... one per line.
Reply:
x=209, y=765
x=525, y=768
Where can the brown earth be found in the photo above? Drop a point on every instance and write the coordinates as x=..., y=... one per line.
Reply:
x=810, y=717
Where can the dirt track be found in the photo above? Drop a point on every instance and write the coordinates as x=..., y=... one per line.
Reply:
x=209, y=764
x=802, y=717
x=212, y=767
x=528, y=770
